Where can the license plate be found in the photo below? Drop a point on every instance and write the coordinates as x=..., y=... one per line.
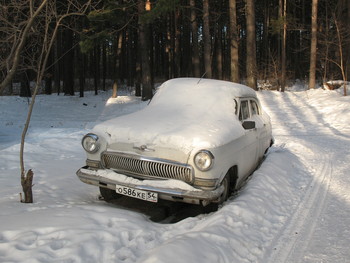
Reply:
x=140, y=194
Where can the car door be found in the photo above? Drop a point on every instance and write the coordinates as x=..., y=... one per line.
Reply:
x=251, y=145
x=261, y=126
x=256, y=116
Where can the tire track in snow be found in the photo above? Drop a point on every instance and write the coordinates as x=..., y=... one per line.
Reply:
x=291, y=243
x=309, y=122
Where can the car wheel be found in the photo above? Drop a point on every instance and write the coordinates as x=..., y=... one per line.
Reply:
x=108, y=194
x=212, y=207
x=227, y=189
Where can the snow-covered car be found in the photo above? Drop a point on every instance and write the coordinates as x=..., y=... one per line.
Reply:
x=196, y=141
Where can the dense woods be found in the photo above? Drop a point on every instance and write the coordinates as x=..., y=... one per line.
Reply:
x=68, y=46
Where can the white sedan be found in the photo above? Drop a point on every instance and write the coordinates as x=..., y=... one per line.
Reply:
x=196, y=142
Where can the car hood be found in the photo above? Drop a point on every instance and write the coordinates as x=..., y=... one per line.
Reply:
x=182, y=129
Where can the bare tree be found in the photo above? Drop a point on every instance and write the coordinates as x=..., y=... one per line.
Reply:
x=17, y=31
x=45, y=20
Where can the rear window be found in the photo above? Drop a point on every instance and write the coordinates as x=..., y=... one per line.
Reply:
x=255, y=107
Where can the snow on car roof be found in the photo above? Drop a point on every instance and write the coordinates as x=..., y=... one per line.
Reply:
x=184, y=113
x=199, y=90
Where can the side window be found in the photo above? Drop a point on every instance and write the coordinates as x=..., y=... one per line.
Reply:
x=254, y=107
x=236, y=106
x=244, y=110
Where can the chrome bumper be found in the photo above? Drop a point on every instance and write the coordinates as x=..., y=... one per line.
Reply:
x=203, y=197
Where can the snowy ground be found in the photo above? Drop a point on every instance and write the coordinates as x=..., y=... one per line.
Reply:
x=295, y=207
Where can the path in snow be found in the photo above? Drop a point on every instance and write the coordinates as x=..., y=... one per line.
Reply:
x=313, y=233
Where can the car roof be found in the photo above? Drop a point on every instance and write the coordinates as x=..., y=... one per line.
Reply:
x=209, y=86
x=184, y=113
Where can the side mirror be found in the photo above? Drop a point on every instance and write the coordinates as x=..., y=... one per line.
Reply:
x=248, y=125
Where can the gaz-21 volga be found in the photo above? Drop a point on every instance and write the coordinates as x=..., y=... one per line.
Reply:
x=195, y=142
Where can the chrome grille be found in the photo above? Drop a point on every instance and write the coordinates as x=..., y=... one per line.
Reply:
x=144, y=167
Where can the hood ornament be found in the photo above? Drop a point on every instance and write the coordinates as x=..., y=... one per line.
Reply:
x=143, y=148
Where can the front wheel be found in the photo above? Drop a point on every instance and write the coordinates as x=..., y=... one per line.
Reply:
x=227, y=189
x=212, y=207
x=108, y=194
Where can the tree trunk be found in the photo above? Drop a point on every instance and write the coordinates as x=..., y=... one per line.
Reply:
x=177, y=51
x=218, y=52
x=123, y=61
x=170, y=46
x=313, y=51
x=283, y=51
x=279, y=44
x=347, y=45
x=68, y=71
x=265, y=44
x=186, y=44
x=25, y=85
x=138, y=66
x=194, y=33
x=81, y=72
x=251, y=45
x=48, y=84
x=104, y=66
x=234, y=62
x=27, y=183
x=145, y=57
x=132, y=56
x=57, y=58
x=48, y=76
x=96, y=67
x=116, y=74
x=206, y=40
x=326, y=53
x=115, y=89
x=341, y=57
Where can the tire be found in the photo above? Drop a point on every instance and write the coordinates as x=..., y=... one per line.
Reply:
x=226, y=182
x=212, y=207
x=108, y=194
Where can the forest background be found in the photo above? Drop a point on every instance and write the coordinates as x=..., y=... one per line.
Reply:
x=66, y=46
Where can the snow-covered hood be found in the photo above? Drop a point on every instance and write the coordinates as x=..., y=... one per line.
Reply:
x=171, y=129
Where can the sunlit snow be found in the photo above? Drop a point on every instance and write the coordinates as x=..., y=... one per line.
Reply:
x=294, y=208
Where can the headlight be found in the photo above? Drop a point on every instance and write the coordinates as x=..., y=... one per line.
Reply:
x=204, y=160
x=90, y=143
